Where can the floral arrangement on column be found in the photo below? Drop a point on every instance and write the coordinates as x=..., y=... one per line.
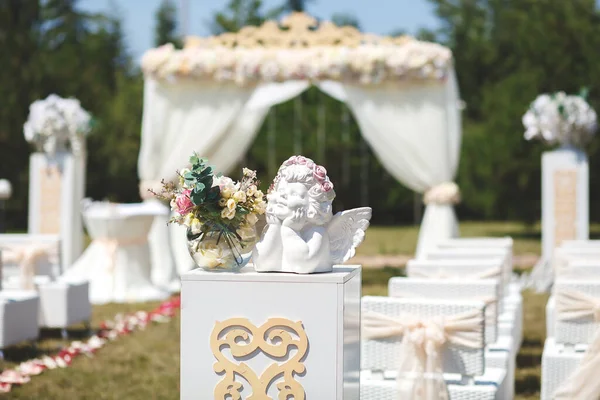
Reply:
x=562, y=119
x=56, y=123
x=219, y=213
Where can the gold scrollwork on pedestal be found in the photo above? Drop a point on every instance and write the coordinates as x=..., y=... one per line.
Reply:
x=275, y=338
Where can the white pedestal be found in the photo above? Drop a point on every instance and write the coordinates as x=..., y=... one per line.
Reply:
x=56, y=188
x=565, y=198
x=310, y=325
x=19, y=311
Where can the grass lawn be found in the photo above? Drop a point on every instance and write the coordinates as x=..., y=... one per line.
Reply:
x=145, y=365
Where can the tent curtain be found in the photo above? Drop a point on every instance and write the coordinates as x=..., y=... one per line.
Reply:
x=415, y=131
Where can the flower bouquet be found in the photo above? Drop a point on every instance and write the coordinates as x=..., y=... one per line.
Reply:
x=220, y=214
x=54, y=122
x=559, y=118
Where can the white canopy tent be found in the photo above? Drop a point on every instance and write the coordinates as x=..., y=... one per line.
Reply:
x=213, y=96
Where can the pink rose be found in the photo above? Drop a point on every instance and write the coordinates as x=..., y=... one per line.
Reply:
x=301, y=160
x=183, y=202
x=320, y=173
x=310, y=165
x=327, y=186
x=291, y=160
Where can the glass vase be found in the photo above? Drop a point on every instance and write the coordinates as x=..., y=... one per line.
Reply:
x=215, y=251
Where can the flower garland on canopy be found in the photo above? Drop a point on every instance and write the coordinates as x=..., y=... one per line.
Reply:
x=367, y=64
x=109, y=331
x=560, y=118
x=298, y=50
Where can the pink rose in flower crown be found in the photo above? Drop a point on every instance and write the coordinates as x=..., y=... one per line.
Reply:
x=327, y=186
x=183, y=202
x=320, y=173
x=301, y=160
x=310, y=165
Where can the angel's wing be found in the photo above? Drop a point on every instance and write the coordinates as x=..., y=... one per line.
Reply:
x=346, y=231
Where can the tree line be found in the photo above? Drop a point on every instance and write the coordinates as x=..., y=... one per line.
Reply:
x=506, y=52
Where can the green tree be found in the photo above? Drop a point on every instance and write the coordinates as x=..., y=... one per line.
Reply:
x=505, y=53
x=165, y=30
x=240, y=13
x=345, y=19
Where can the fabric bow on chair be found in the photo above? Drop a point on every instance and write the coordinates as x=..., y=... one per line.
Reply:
x=420, y=362
x=583, y=382
x=27, y=257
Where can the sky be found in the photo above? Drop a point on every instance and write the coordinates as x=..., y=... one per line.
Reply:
x=375, y=16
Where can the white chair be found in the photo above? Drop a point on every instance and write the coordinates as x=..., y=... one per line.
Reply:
x=510, y=306
x=117, y=262
x=19, y=311
x=463, y=367
x=477, y=253
x=572, y=331
x=500, y=351
x=48, y=266
x=485, y=290
x=440, y=268
x=563, y=256
x=61, y=304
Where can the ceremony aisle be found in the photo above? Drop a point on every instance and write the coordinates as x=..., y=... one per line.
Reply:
x=141, y=364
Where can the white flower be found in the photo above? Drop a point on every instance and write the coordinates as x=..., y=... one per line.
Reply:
x=260, y=207
x=226, y=213
x=231, y=204
x=195, y=226
x=251, y=190
x=211, y=255
x=239, y=196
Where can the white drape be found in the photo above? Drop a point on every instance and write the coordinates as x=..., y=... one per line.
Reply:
x=415, y=131
x=219, y=122
x=180, y=117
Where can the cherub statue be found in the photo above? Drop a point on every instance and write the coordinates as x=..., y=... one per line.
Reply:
x=302, y=235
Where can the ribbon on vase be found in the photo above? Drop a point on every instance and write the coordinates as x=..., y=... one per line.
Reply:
x=420, y=358
x=447, y=193
x=582, y=383
x=27, y=258
x=494, y=272
x=112, y=244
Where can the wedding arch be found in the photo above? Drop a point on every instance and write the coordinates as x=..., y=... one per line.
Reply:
x=213, y=95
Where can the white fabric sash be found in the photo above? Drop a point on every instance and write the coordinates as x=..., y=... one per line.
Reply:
x=27, y=257
x=491, y=313
x=489, y=273
x=112, y=244
x=572, y=305
x=583, y=383
x=420, y=363
x=444, y=193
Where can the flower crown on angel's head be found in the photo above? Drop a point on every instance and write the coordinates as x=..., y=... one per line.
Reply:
x=318, y=179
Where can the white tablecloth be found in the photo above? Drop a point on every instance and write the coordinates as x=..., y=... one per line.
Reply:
x=117, y=262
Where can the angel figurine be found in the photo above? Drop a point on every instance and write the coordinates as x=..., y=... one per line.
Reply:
x=302, y=235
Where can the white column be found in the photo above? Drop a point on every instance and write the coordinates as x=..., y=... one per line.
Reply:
x=56, y=189
x=314, y=318
x=565, y=198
